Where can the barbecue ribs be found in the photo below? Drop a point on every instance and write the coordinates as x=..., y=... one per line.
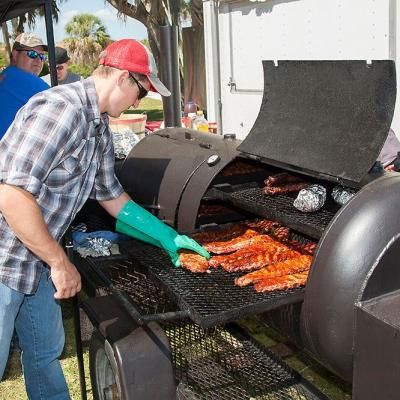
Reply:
x=288, y=267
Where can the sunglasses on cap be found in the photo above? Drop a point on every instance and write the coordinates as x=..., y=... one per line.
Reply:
x=34, y=54
x=142, y=91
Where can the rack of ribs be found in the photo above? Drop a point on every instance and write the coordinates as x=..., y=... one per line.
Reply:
x=284, y=189
x=308, y=248
x=229, y=246
x=234, y=231
x=288, y=267
x=280, y=179
x=227, y=233
x=254, y=245
x=193, y=262
x=259, y=260
x=282, y=233
x=281, y=282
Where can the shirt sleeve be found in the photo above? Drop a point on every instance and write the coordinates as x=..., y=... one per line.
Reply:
x=106, y=186
x=36, y=142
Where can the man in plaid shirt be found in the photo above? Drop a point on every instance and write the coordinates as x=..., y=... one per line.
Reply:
x=57, y=153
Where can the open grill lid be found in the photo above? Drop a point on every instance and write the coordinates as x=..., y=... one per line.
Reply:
x=327, y=119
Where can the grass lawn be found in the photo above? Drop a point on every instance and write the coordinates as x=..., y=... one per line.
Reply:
x=152, y=107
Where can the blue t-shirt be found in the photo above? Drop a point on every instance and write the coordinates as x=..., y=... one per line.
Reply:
x=16, y=88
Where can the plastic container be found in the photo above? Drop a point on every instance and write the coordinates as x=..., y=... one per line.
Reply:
x=190, y=107
x=200, y=123
x=135, y=122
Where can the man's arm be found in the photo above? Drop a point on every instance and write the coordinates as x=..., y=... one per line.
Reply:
x=25, y=218
x=114, y=206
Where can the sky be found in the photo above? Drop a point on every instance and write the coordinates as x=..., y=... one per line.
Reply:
x=116, y=28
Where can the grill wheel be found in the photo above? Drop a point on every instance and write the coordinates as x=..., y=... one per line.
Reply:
x=103, y=369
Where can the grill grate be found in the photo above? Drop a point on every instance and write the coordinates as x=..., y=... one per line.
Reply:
x=280, y=208
x=128, y=276
x=212, y=299
x=225, y=364
x=210, y=364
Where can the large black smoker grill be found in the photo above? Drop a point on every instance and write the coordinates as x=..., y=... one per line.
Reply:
x=326, y=121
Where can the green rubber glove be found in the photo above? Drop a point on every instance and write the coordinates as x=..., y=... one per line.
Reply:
x=150, y=229
x=133, y=232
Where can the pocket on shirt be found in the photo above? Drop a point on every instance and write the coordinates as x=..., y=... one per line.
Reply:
x=77, y=162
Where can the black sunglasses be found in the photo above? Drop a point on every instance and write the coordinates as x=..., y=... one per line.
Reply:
x=34, y=54
x=142, y=91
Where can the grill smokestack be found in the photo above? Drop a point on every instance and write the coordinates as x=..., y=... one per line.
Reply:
x=169, y=65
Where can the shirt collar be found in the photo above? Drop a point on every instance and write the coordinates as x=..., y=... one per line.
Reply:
x=92, y=101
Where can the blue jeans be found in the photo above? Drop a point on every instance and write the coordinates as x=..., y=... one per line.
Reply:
x=38, y=323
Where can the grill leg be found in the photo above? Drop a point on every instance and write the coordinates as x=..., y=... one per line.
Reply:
x=77, y=321
x=79, y=348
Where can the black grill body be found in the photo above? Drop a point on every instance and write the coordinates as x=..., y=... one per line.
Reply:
x=351, y=266
x=169, y=171
x=326, y=122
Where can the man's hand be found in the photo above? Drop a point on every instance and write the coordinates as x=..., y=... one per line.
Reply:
x=389, y=167
x=66, y=279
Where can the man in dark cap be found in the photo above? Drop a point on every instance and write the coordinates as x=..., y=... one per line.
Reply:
x=63, y=75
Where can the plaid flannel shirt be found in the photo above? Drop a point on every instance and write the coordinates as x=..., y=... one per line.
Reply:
x=59, y=148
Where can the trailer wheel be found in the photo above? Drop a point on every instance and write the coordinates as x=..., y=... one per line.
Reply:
x=103, y=369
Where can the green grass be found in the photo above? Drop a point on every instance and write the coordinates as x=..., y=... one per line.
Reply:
x=152, y=107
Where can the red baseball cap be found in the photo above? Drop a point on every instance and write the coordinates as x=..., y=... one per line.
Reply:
x=133, y=56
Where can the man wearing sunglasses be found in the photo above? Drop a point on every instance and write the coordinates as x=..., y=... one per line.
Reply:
x=20, y=81
x=63, y=75
x=56, y=155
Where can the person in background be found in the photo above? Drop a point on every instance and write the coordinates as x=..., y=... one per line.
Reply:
x=57, y=153
x=20, y=81
x=63, y=75
x=390, y=152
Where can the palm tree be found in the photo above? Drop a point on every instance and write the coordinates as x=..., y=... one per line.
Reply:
x=87, y=38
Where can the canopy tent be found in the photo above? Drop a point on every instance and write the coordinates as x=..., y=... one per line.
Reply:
x=14, y=8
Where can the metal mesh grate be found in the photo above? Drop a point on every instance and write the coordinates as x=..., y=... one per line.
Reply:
x=127, y=275
x=280, y=208
x=212, y=299
x=215, y=363
x=226, y=364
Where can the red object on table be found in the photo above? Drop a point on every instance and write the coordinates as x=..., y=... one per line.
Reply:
x=153, y=125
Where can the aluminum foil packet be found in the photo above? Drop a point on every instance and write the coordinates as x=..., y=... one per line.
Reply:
x=124, y=142
x=95, y=247
x=342, y=195
x=311, y=198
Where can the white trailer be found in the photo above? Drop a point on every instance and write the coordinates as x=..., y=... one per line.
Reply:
x=240, y=34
